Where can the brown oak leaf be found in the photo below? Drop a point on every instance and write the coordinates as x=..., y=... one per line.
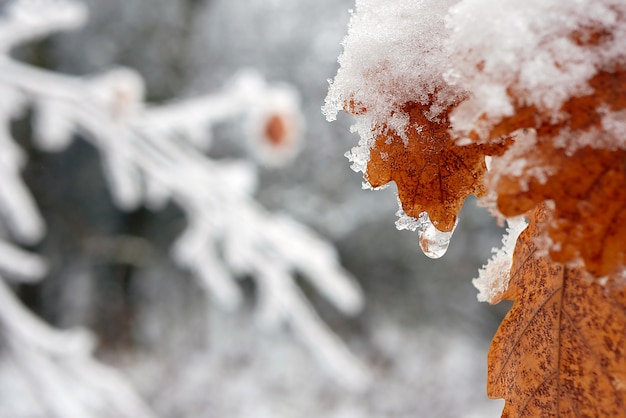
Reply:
x=561, y=349
x=587, y=186
x=588, y=216
x=432, y=172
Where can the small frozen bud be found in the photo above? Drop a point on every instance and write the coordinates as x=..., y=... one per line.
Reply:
x=275, y=128
x=121, y=90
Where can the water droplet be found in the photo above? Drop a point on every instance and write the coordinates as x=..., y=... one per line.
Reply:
x=433, y=242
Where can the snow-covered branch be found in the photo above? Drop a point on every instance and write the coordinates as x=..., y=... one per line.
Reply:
x=61, y=369
x=58, y=364
x=152, y=154
x=27, y=20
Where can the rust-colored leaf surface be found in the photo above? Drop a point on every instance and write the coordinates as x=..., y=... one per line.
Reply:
x=583, y=112
x=433, y=174
x=561, y=349
x=588, y=189
x=587, y=186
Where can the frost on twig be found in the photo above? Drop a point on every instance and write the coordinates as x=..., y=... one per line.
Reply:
x=58, y=364
x=154, y=154
x=493, y=278
x=60, y=367
x=19, y=265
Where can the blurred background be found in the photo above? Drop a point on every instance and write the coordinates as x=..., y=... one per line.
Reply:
x=422, y=334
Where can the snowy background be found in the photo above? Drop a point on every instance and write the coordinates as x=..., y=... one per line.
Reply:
x=422, y=335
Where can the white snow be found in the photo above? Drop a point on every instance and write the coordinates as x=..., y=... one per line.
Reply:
x=527, y=49
x=393, y=54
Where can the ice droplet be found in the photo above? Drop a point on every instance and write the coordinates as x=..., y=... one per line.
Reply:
x=433, y=242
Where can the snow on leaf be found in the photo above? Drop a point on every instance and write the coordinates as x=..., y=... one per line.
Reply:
x=529, y=55
x=589, y=213
x=572, y=151
x=560, y=351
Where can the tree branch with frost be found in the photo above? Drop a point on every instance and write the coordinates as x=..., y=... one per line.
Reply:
x=58, y=364
x=26, y=20
x=151, y=154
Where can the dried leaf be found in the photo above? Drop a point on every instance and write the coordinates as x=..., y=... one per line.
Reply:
x=433, y=174
x=586, y=185
x=589, y=212
x=561, y=349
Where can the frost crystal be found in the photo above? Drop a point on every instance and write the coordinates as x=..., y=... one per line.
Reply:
x=493, y=277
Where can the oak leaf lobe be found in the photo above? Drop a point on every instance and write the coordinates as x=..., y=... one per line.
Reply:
x=561, y=349
x=432, y=172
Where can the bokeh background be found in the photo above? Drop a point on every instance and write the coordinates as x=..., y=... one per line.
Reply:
x=422, y=334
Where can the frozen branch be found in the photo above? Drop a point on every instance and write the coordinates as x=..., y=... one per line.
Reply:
x=58, y=364
x=27, y=20
x=60, y=368
x=151, y=154
x=21, y=265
